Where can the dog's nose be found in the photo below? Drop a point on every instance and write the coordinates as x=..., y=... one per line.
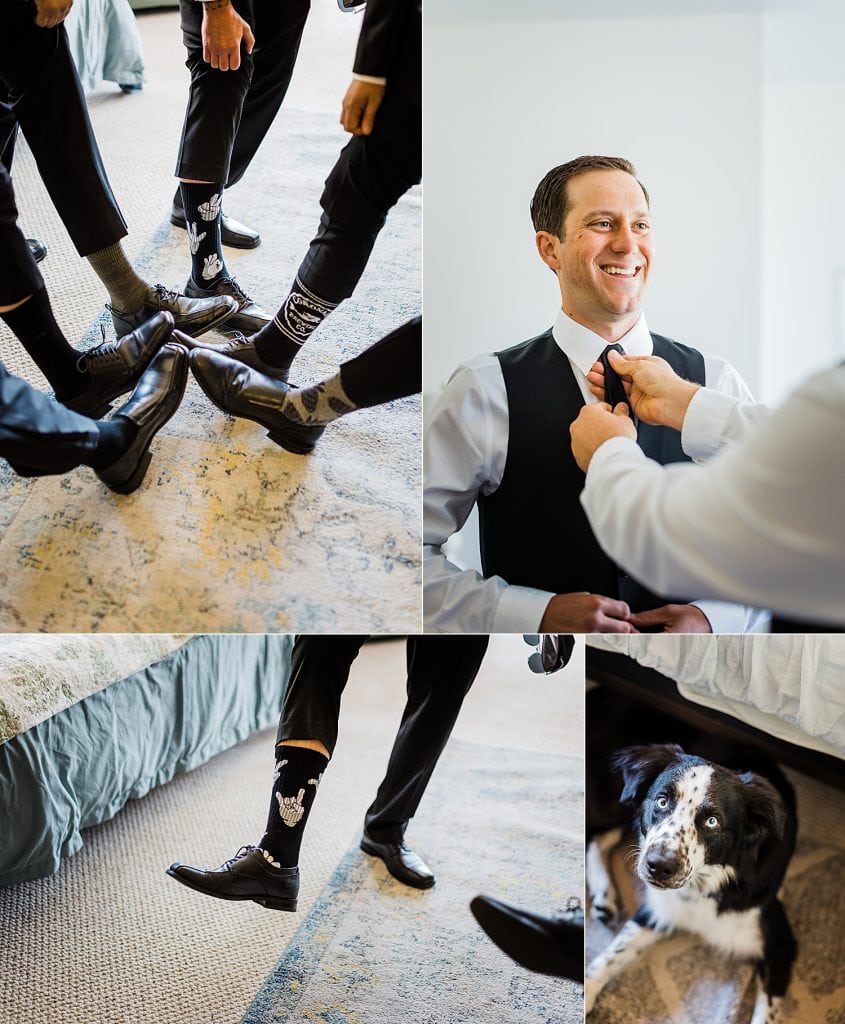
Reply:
x=661, y=866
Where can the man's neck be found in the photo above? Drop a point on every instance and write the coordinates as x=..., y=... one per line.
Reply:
x=610, y=331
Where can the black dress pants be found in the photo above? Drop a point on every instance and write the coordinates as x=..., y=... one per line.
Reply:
x=372, y=173
x=392, y=368
x=40, y=86
x=39, y=436
x=441, y=670
x=19, y=274
x=230, y=112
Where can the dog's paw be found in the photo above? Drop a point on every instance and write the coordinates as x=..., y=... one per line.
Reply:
x=591, y=991
x=604, y=907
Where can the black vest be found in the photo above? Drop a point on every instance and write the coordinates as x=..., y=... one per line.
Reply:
x=534, y=531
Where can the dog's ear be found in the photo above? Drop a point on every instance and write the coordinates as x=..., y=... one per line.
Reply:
x=640, y=766
x=765, y=813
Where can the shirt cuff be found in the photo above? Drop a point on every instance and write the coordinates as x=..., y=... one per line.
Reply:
x=372, y=79
x=705, y=423
x=607, y=449
x=725, y=617
x=520, y=610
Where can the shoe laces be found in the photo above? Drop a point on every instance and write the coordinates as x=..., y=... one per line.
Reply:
x=106, y=352
x=237, y=340
x=240, y=294
x=573, y=909
x=244, y=850
x=164, y=295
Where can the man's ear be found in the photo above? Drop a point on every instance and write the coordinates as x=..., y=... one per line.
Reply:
x=547, y=247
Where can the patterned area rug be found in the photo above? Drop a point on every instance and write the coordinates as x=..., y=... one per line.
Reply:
x=684, y=981
x=497, y=821
x=229, y=532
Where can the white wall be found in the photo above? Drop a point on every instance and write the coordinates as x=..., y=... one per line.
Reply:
x=680, y=96
x=803, y=240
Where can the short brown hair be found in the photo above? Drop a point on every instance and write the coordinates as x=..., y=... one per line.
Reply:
x=550, y=204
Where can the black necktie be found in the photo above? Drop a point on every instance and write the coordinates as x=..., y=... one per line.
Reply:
x=614, y=392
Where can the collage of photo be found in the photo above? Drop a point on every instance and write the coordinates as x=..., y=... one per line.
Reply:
x=422, y=603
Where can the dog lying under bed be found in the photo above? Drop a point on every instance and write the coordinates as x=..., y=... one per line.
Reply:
x=714, y=843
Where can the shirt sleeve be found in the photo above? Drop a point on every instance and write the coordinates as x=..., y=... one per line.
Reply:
x=761, y=523
x=715, y=419
x=464, y=452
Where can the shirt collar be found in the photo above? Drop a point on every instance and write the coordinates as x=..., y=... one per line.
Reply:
x=583, y=346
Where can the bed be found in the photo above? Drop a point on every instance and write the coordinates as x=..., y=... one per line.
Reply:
x=89, y=722
x=783, y=692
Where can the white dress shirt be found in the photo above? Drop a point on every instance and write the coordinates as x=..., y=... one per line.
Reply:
x=764, y=522
x=465, y=450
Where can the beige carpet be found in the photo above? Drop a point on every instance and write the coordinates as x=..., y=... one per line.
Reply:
x=229, y=532
x=111, y=940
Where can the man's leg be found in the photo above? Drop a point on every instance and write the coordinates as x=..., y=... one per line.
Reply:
x=371, y=174
x=268, y=873
x=228, y=115
x=45, y=96
x=441, y=670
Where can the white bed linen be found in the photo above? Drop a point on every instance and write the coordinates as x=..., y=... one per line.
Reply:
x=790, y=686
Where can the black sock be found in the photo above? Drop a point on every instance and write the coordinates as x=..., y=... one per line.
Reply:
x=301, y=314
x=35, y=327
x=298, y=773
x=115, y=436
x=202, y=216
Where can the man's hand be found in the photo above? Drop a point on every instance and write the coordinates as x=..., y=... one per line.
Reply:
x=656, y=393
x=362, y=100
x=672, y=618
x=595, y=425
x=49, y=13
x=586, y=613
x=223, y=31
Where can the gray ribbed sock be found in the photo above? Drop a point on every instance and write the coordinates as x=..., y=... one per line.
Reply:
x=126, y=290
x=319, y=404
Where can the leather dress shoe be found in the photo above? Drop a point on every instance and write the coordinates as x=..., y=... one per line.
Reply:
x=242, y=391
x=114, y=366
x=247, y=876
x=249, y=316
x=232, y=232
x=401, y=862
x=38, y=249
x=154, y=400
x=548, y=945
x=194, y=316
x=241, y=348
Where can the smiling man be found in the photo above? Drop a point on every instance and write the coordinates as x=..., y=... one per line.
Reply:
x=498, y=435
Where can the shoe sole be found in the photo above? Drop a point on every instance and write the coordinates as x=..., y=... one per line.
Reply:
x=176, y=222
x=405, y=880
x=270, y=902
x=296, y=447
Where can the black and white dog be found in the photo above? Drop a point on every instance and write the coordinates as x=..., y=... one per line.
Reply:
x=714, y=845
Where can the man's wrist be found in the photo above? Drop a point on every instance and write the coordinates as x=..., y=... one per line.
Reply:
x=680, y=404
x=215, y=5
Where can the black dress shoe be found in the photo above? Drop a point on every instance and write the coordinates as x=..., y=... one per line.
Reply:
x=38, y=249
x=242, y=391
x=155, y=399
x=115, y=366
x=232, y=232
x=548, y=945
x=249, y=875
x=249, y=316
x=241, y=348
x=401, y=862
x=194, y=316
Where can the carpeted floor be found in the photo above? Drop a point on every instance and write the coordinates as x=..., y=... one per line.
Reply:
x=229, y=532
x=683, y=981
x=111, y=939
x=504, y=823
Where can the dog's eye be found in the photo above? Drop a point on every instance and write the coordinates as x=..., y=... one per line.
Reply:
x=661, y=802
x=712, y=822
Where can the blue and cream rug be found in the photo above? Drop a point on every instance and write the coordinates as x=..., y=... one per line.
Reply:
x=502, y=822
x=229, y=532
